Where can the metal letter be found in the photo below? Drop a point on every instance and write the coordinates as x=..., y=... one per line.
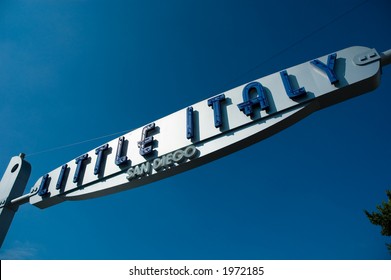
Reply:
x=215, y=103
x=189, y=123
x=146, y=143
x=119, y=159
x=99, y=151
x=261, y=99
x=329, y=68
x=61, y=177
x=43, y=188
x=292, y=93
x=79, y=162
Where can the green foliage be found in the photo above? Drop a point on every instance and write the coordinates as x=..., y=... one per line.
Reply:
x=382, y=217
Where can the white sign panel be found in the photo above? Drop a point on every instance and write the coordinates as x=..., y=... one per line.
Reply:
x=212, y=128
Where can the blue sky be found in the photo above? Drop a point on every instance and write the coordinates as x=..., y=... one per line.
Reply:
x=77, y=70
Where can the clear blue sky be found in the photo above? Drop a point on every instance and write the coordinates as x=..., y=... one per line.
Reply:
x=76, y=70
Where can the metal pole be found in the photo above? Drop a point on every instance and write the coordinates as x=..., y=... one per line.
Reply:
x=385, y=58
x=12, y=185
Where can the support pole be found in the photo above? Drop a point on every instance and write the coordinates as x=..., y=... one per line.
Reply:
x=385, y=58
x=12, y=185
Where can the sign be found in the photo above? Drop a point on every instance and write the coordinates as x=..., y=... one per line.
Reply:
x=212, y=128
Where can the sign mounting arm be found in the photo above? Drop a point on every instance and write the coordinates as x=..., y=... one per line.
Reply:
x=385, y=57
